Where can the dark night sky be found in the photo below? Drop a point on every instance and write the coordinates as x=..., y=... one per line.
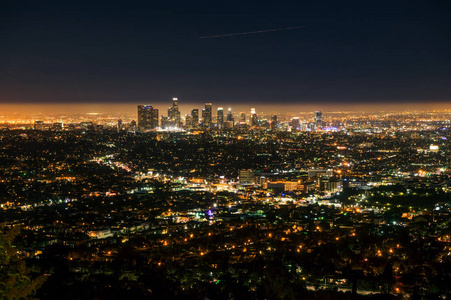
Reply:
x=361, y=51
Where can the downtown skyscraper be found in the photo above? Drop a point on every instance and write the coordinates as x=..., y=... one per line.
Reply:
x=207, y=115
x=220, y=117
x=147, y=117
x=174, y=113
x=318, y=120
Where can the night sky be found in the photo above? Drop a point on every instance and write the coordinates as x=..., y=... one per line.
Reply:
x=361, y=51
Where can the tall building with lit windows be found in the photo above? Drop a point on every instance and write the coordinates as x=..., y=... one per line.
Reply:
x=318, y=120
x=206, y=115
x=229, y=115
x=254, y=118
x=189, y=121
x=174, y=113
x=220, y=117
x=243, y=117
x=228, y=124
x=195, y=114
x=147, y=117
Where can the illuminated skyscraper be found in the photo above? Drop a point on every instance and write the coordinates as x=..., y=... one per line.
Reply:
x=229, y=115
x=228, y=124
x=254, y=118
x=195, y=114
x=318, y=119
x=243, y=117
x=220, y=117
x=206, y=115
x=147, y=117
x=174, y=113
x=189, y=121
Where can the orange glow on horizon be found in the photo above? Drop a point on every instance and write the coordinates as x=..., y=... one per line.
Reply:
x=131, y=108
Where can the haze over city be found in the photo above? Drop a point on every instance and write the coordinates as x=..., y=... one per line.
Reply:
x=130, y=108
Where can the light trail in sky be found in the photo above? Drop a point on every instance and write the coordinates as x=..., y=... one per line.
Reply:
x=249, y=32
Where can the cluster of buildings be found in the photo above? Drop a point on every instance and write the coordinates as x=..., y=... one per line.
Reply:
x=149, y=119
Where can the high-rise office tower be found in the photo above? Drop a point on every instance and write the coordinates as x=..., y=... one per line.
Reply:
x=165, y=123
x=175, y=106
x=170, y=113
x=174, y=113
x=228, y=124
x=189, y=121
x=318, y=119
x=220, y=117
x=206, y=115
x=195, y=114
x=229, y=115
x=119, y=125
x=147, y=117
x=144, y=117
x=254, y=118
x=242, y=117
x=154, y=118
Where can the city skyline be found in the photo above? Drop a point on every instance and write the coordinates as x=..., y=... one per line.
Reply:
x=185, y=108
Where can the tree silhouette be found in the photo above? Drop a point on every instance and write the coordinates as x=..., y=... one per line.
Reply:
x=16, y=281
x=388, y=278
